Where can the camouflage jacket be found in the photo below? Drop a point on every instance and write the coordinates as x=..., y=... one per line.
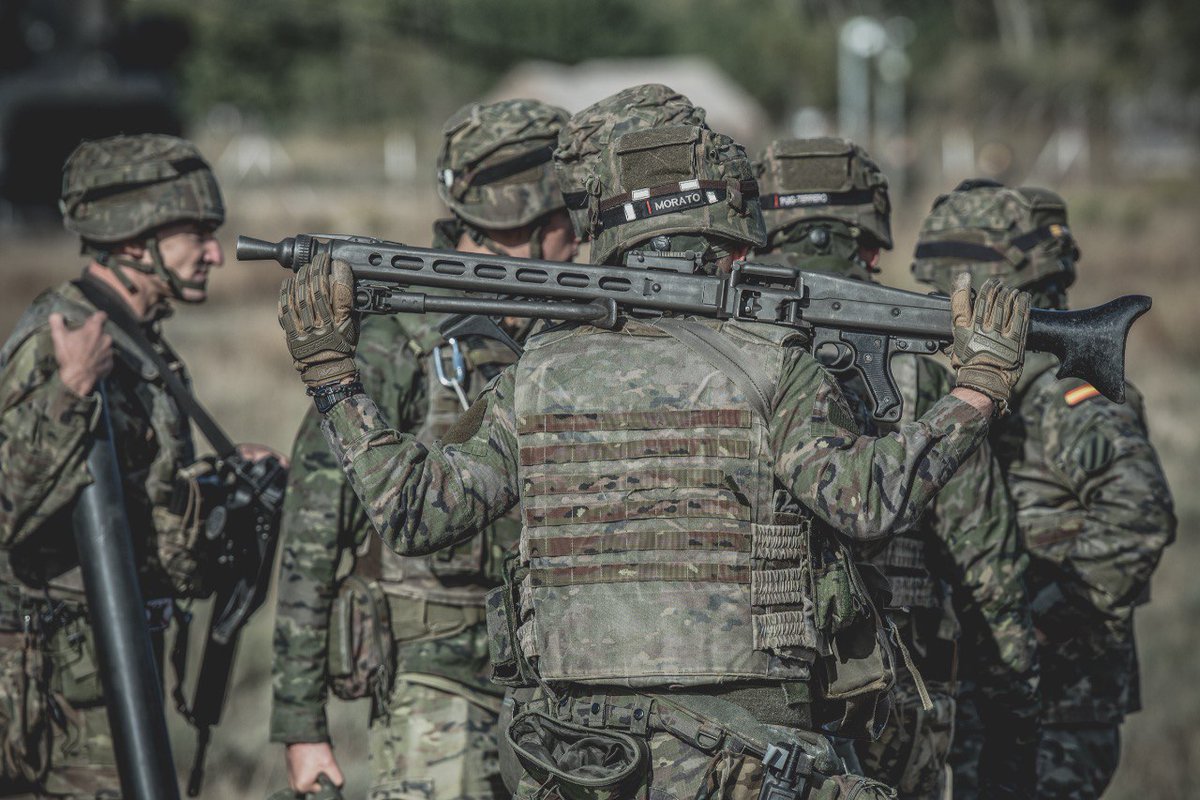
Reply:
x=324, y=526
x=1095, y=513
x=972, y=547
x=44, y=441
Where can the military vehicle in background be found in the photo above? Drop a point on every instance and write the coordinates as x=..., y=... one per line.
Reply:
x=72, y=70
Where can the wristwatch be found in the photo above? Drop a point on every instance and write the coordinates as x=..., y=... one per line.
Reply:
x=327, y=396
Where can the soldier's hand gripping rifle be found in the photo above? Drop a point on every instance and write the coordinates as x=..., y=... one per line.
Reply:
x=854, y=325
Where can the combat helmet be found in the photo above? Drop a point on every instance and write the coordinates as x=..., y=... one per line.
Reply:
x=682, y=185
x=493, y=169
x=587, y=132
x=988, y=230
x=125, y=188
x=823, y=179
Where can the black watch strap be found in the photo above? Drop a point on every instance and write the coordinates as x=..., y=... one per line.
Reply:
x=327, y=396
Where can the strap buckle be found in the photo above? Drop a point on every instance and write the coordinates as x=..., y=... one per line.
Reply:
x=458, y=364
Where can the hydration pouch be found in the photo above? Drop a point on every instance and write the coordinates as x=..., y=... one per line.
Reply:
x=361, y=656
x=72, y=649
x=576, y=763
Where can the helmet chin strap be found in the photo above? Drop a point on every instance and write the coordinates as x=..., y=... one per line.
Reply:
x=114, y=262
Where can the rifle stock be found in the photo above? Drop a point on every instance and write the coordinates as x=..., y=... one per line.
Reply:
x=854, y=325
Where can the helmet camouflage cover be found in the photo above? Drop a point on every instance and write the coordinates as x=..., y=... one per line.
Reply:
x=991, y=231
x=824, y=179
x=674, y=179
x=648, y=105
x=122, y=187
x=494, y=164
x=819, y=245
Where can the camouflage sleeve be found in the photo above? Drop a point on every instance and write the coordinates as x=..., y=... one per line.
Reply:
x=314, y=534
x=322, y=519
x=866, y=487
x=43, y=440
x=976, y=520
x=424, y=498
x=1103, y=453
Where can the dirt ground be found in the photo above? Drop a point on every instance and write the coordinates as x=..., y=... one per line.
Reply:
x=1134, y=239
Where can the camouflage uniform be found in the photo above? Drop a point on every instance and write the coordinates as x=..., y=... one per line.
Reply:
x=1093, y=505
x=432, y=731
x=52, y=716
x=653, y=555
x=827, y=209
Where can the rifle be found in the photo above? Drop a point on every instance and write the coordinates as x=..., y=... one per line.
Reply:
x=852, y=324
x=245, y=502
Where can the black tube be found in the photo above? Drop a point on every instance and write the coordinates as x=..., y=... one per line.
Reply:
x=132, y=685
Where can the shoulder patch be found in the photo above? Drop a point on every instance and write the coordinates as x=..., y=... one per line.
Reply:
x=1095, y=453
x=1077, y=395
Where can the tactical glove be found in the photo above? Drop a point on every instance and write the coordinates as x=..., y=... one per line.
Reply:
x=316, y=311
x=989, y=338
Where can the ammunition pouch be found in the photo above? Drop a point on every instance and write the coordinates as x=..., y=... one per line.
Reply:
x=420, y=619
x=71, y=646
x=181, y=525
x=509, y=664
x=573, y=762
x=361, y=660
x=857, y=668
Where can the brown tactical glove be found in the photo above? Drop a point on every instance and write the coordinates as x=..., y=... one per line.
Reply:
x=989, y=338
x=316, y=311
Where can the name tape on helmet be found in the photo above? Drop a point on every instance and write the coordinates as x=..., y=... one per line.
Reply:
x=779, y=200
x=668, y=198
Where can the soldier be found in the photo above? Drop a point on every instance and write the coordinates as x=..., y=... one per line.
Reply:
x=827, y=209
x=146, y=208
x=670, y=627
x=432, y=728
x=1093, y=506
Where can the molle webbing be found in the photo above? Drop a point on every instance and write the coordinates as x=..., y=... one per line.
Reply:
x=588, y=452
x=627, y=573
x=637, y=509
x=905, y=563
x=655, y=478
x=706, y=418
x=636, y=541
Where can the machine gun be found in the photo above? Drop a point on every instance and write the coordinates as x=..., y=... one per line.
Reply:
x=852, y=324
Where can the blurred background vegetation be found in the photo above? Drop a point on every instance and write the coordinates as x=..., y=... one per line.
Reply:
x=325, y=115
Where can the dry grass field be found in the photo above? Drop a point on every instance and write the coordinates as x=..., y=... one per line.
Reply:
x=1134, y=239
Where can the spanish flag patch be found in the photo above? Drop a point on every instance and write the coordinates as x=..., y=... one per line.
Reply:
x=1079, y=394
